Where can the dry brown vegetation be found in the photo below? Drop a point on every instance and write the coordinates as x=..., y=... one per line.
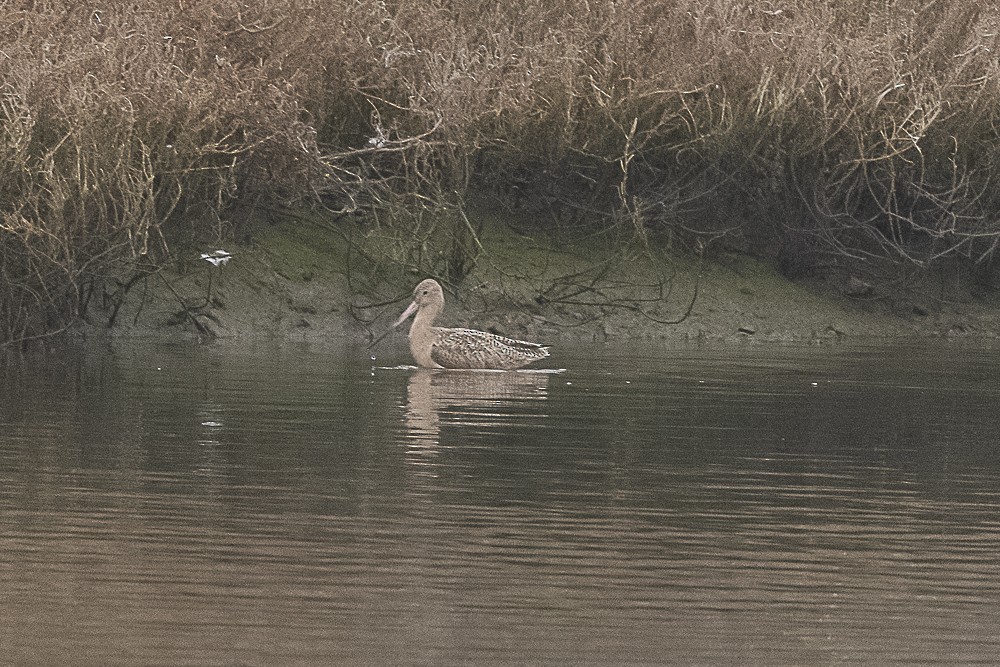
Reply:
x=827, y=132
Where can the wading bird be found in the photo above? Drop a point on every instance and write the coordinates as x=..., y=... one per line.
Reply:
x=438, y=347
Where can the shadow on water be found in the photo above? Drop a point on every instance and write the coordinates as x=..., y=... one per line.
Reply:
x=218, y=505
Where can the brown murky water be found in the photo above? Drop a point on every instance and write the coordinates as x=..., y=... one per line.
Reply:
x=730, y=506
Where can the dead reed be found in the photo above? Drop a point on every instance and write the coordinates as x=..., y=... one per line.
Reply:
x=826, y=132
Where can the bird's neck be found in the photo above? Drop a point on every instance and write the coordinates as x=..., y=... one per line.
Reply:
x=422, y=336
x=424, y=319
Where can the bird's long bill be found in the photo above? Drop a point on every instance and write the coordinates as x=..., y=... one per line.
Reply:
x=412, y=308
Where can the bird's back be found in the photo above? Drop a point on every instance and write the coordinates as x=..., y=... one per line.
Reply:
x=470, y=348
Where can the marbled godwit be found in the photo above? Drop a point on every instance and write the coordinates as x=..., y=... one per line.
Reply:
x=438, y=347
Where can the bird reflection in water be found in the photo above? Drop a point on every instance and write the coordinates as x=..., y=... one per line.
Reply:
x=478, y=400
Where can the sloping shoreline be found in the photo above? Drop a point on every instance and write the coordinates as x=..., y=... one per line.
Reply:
x=289, y=283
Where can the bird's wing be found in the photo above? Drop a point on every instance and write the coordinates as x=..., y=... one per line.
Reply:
x=468, y=348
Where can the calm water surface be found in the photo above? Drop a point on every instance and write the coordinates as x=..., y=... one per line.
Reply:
x=276, y=506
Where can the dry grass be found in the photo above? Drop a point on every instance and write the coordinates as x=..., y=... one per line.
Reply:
x=828, y=132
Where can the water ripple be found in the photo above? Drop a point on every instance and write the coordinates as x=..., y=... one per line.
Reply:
x=719, y=507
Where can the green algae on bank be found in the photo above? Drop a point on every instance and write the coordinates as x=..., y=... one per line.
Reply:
x=302, y=277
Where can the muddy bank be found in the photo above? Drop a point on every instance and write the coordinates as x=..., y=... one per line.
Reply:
x=299, y=282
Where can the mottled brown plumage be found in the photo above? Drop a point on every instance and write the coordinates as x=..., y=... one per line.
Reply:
x=439, y=347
